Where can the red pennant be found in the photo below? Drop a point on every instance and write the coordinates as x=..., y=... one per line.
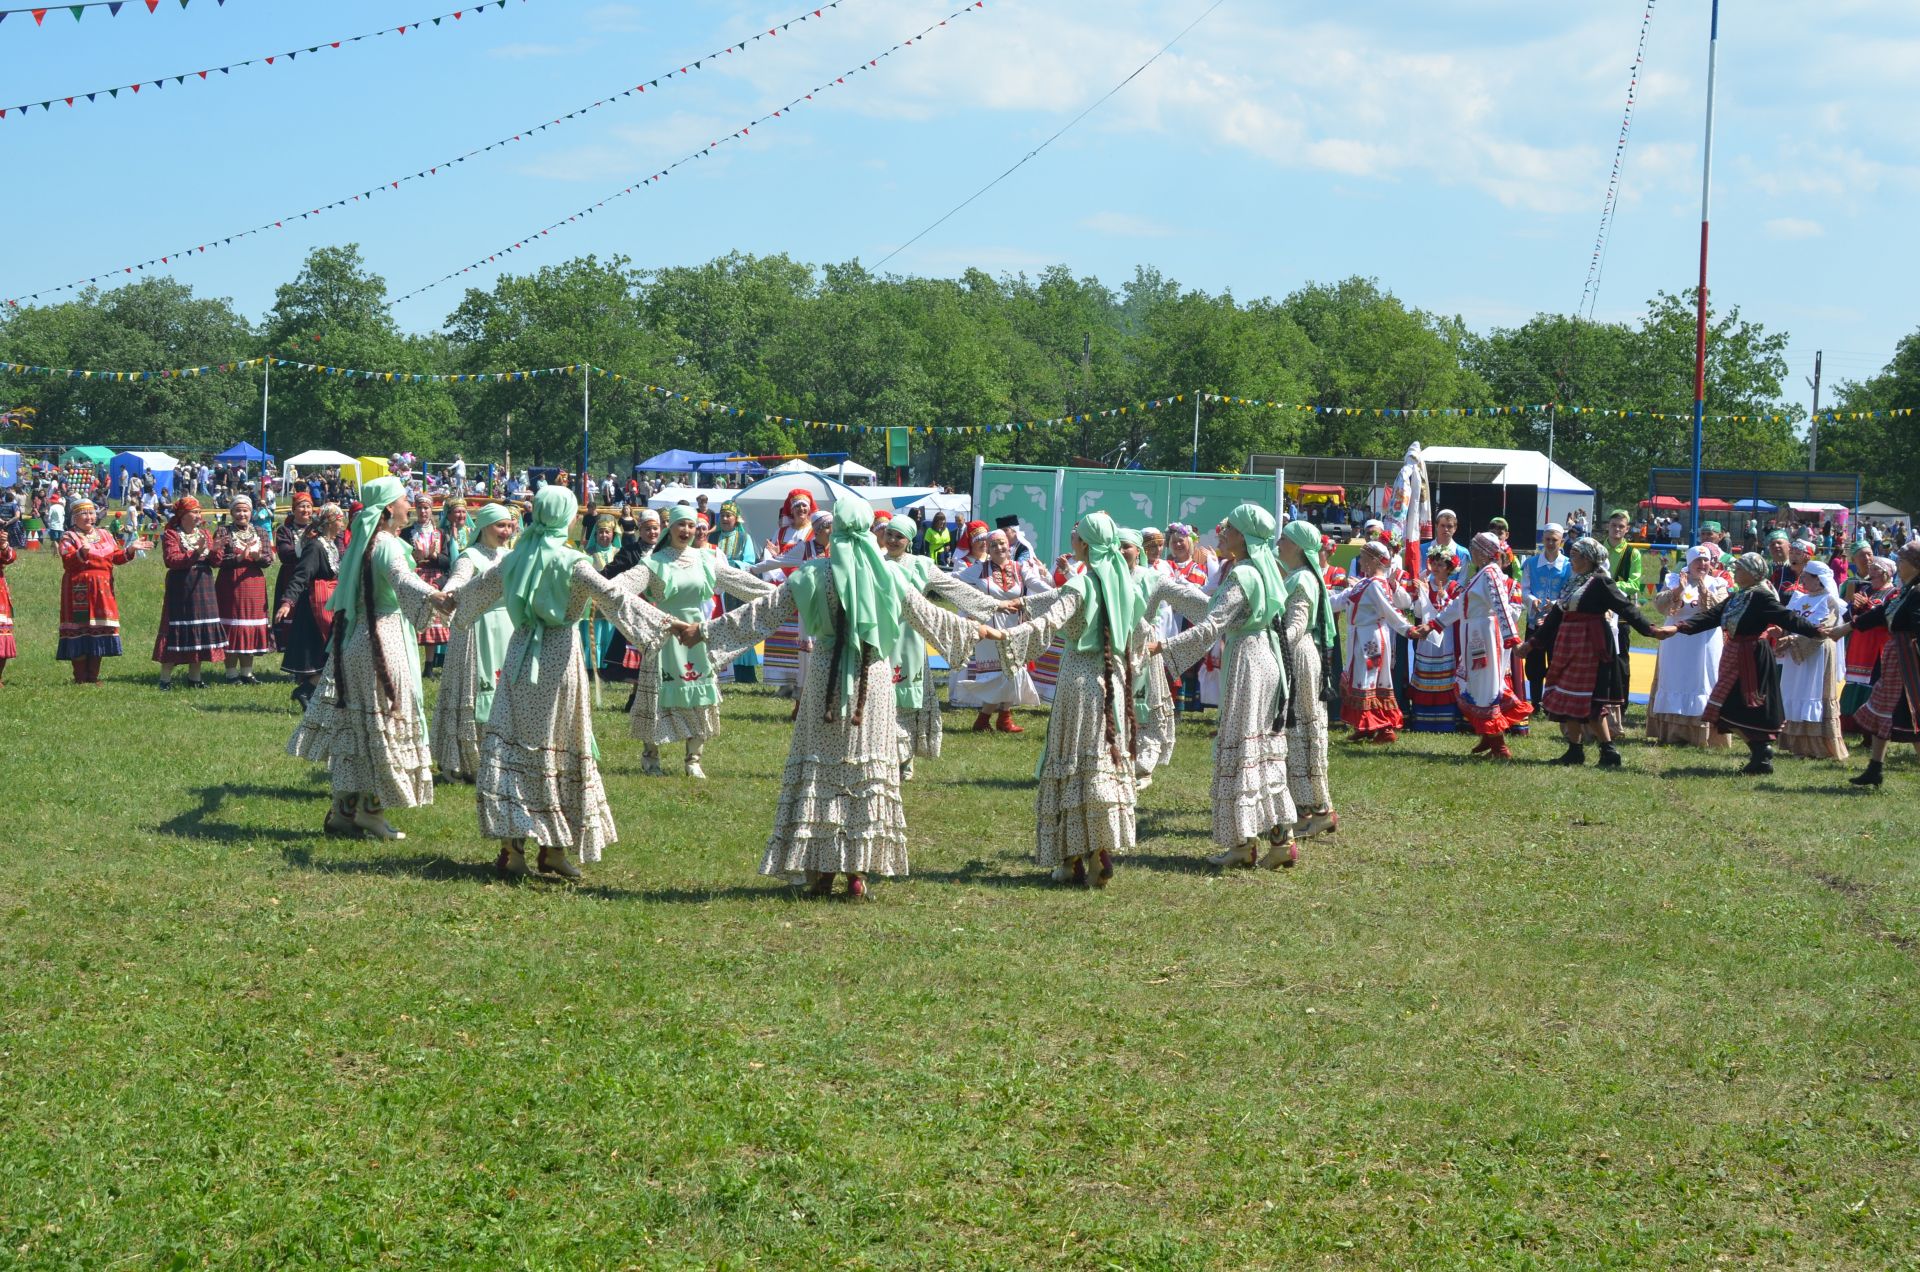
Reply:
x=39, y=15
x=152, y=5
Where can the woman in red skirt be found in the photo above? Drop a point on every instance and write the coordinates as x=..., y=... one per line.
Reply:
x=1587, y=672
x=241, y=590
x=429, y=544
x=190, y=631
x=89, y=612
x=7, y=650
x=1892, y=714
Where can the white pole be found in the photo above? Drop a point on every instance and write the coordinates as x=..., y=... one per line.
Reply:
x=266, y=392
x=1196, y=430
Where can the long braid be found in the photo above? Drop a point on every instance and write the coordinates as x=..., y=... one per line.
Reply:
x=839, y=616
x=1109, y=727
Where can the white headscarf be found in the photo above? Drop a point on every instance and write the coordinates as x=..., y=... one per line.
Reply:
x=1820, y=570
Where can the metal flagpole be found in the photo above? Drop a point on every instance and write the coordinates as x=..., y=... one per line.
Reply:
x=586, y=428
x=1700, y=321
x=266, y=392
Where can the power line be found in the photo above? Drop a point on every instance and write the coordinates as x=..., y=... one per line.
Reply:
x=1049, y=141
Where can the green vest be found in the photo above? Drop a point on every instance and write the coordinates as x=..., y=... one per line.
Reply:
x=682, y=584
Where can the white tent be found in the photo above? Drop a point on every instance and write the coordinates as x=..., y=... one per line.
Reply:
x=320, y=459
x=790, y=467
x=760, y=503
x=897, y=498
x=1560, y=491
x=848, y=471
x=9, y=466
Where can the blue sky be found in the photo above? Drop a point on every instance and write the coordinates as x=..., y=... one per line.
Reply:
x=1458, y=152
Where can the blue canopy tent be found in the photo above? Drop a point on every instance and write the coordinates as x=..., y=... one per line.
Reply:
x=152, y=465
x=681, y=461
x=1753, y=505
x=241, y=453
x=730, y=468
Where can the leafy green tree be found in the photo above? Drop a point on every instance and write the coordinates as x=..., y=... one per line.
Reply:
x=1881, y=449
x=149, y=325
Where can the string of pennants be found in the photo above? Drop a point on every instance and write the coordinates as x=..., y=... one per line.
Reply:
x=1604, y=412
x=79, y=11
x=738, y=134
x=432, y=170
x=265, y=59
x=711, y=406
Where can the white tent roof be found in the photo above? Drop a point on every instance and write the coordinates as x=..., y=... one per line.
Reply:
x=1803, y=505
x=154, y=461
x=324, y=458
x=845, y=469
x=1878, y=509
x=760, y=503
x=668, y=496
x=1522, y=467
x=792, y=466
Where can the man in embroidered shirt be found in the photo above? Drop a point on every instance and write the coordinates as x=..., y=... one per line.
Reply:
x=1542, y=581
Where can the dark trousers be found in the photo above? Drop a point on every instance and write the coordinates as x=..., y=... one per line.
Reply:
x=1536, y=668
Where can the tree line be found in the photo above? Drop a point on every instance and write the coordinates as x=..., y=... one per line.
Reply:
x=776, y=336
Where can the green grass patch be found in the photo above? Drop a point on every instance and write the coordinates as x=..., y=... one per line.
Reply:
x=1511, y=1017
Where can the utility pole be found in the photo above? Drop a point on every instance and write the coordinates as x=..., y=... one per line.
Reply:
x=1813, y=438
x=508, y=462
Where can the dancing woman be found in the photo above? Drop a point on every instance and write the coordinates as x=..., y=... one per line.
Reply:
x=1586, y=678
x=366, y=720
x=1892, y=713
x=1746, y=691
x=731, y=540
x=839, y=810
x=1876, y=584
x=1309, y=640
x=1485, y=636
x=1685, y=670
x=988, y=682
x=677, y=695
x=301, y=611
x=1252, y=802
x=539, y=777
x=476, y=648
x=914, y=700
x=1811, y=671
x=1367, y=702
x=1084, y=807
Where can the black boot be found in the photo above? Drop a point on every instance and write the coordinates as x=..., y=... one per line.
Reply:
x=1609, y=755
x=1872, y=777
x=1576, y=756
x=1761, y=762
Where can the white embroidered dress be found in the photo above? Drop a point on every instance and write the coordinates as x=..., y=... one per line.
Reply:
x=839, y=810
x=1686, y=667
x=466, y=689
x=1251, y=797
x=1086, y=796
x=1811, y=672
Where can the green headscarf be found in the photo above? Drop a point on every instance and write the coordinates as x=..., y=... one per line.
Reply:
x=868, y=590
x=1258, y=575
x=484, y=516
x=374, y=498
x=1127, y=534
x=1306, y=536
x=1107, y=595
x=536, y=579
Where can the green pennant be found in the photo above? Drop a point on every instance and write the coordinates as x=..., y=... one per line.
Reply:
x=78, y=10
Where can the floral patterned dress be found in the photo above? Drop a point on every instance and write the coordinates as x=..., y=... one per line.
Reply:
x=839, y=810
x=539, y=777
x=914, y=698
x=476, y=650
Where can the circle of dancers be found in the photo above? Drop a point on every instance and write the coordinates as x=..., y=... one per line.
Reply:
x=1118, y=636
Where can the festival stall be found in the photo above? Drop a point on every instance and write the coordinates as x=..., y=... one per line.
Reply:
x=760, y=503
x=850, y=472
x=242, y=453
x=150, y=465
x=99, y=456
x=348, y=466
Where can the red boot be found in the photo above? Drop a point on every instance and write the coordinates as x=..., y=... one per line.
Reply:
x=983, y=722
x=1006, y=724
x=1385, y=737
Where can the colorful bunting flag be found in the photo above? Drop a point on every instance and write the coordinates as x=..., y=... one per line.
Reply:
x=394, y=184
x=657, y=177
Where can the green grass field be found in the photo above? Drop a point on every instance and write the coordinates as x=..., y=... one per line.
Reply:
x=1512, y=1017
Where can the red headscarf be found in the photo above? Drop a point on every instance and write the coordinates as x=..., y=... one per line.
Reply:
x=975, y=530
x=185, y=503
x=802, y=525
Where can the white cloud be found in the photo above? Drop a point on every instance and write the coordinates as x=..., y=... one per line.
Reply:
x=1793, y=227
x=523, y=52
x=1125, y=224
